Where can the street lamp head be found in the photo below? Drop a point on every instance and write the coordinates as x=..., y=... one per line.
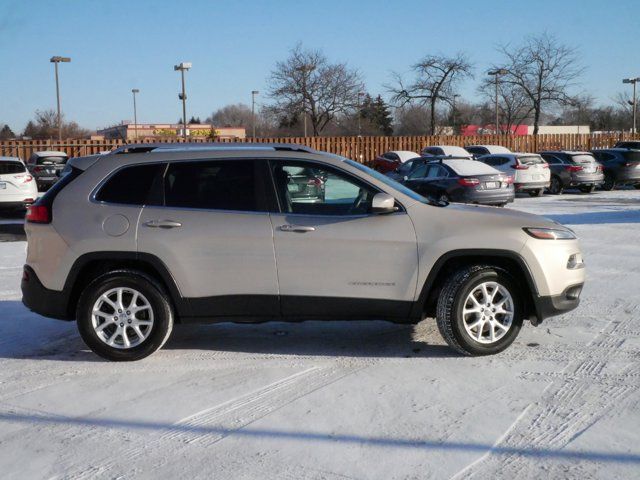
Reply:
x=57, y=59
x=254, y=92
x=498, y=71
x=135, y=90
x=182, y=66
x=630, y=80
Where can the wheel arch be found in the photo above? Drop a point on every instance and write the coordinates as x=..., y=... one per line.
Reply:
x=90, y=265
x=513, y=263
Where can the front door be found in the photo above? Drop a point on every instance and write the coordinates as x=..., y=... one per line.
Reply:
x=334, y=257
x=214, y=234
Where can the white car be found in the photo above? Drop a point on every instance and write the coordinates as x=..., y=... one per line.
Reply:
x=530, y=172
x=447, y=150
x=17, y=186
x=478, y=150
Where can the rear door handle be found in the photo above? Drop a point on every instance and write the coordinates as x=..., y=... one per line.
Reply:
x=162, y=224
x=296, y=228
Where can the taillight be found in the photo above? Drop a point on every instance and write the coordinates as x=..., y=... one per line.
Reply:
x=573, y=168
x=38, y=214
x=469, y=182
x=25, y=178
x=545, y=165
x=599, y=168
x=37, y=169
x=315, y=181
x=519, y=166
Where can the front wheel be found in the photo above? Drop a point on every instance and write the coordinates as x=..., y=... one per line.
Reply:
x=124, y=315
x=479, y=310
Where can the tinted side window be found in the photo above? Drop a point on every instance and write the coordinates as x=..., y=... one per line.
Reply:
x=131, y=185
x=406, y=167
x=550, y=159
x=212, y=185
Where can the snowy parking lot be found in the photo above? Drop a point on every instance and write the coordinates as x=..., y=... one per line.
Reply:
x=339, y=400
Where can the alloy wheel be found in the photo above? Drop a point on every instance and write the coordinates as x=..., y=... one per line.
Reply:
x=122, y=318
x=488, y=312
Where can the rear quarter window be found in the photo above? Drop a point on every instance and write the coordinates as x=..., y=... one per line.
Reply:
x=131, y=185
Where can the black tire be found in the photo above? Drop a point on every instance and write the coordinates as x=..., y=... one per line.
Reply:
x=587, y=188
x=637, y=186
x=157, y=298
x=536, y=193
x=609, y=182
x=443, y=197
x=451, y=303
x=556, y=187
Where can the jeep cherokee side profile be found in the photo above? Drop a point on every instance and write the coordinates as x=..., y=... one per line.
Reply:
x=132, y=242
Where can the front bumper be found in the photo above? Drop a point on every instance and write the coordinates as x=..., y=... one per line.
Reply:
x=39, y=299
x=552, y=305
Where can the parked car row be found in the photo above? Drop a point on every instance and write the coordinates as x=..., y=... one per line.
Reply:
x=533, y=173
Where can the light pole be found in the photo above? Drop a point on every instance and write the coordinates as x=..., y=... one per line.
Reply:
x=135, y=113
x=182, y=67
x=56, y=60
x=496, y=73
x=253, y=112
x=360, y=94
x=633, y=100
x=305, y=69
x=453, y=111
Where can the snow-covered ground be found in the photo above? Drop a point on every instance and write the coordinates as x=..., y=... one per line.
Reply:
x=341, y=400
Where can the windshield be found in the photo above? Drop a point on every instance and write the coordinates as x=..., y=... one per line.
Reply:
x=582, y=158
x=8, y=167
x=57, y=160
x=390, y=182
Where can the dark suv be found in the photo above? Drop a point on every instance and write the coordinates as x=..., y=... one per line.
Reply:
x=46, y=167
x=621, y=166
x=573, y=169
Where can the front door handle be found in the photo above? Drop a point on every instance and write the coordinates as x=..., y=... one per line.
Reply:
x=297, y=228
x=162, y=224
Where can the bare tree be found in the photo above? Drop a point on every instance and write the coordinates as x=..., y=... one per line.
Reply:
x=307, y=84
x=45, y=125
x=514, y=105
x=544, y=70
x=238, y=115
x=436, y=77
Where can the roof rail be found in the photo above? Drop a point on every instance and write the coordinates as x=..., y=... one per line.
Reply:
x=185, y=146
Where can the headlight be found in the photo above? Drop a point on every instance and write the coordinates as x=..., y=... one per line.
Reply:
x=550, y=233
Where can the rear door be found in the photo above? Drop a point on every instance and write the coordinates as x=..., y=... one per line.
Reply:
x=334, y=257
x=213, y=232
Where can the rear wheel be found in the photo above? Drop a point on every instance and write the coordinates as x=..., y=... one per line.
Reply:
x=124, y=315
x=479, y=310
x=637, y=186
x=536, y=193
x=556, y=187
x=444, y=198
x=587, y=188
x=609, y=182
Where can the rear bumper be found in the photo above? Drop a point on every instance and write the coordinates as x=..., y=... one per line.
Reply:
x=593, y=179
x=13, y=204
x=628, y=176
x=523, y=187
x=488, y=197
x=552, y=305
x=39, y=299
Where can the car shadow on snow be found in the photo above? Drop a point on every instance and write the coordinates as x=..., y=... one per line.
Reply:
x=595, y=218
x=56, y=340
x=310, y=338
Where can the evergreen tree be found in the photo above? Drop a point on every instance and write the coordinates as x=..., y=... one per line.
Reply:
x=6, y=133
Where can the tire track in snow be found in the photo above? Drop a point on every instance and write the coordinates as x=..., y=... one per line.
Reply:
x=577, y=397
x=211, y=425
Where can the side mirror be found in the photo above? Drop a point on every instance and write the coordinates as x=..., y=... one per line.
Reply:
x=383, y=203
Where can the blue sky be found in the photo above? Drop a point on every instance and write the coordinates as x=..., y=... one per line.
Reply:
x=118, y=45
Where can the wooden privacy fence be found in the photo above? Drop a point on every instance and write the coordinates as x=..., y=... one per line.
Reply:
x=363, y=149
